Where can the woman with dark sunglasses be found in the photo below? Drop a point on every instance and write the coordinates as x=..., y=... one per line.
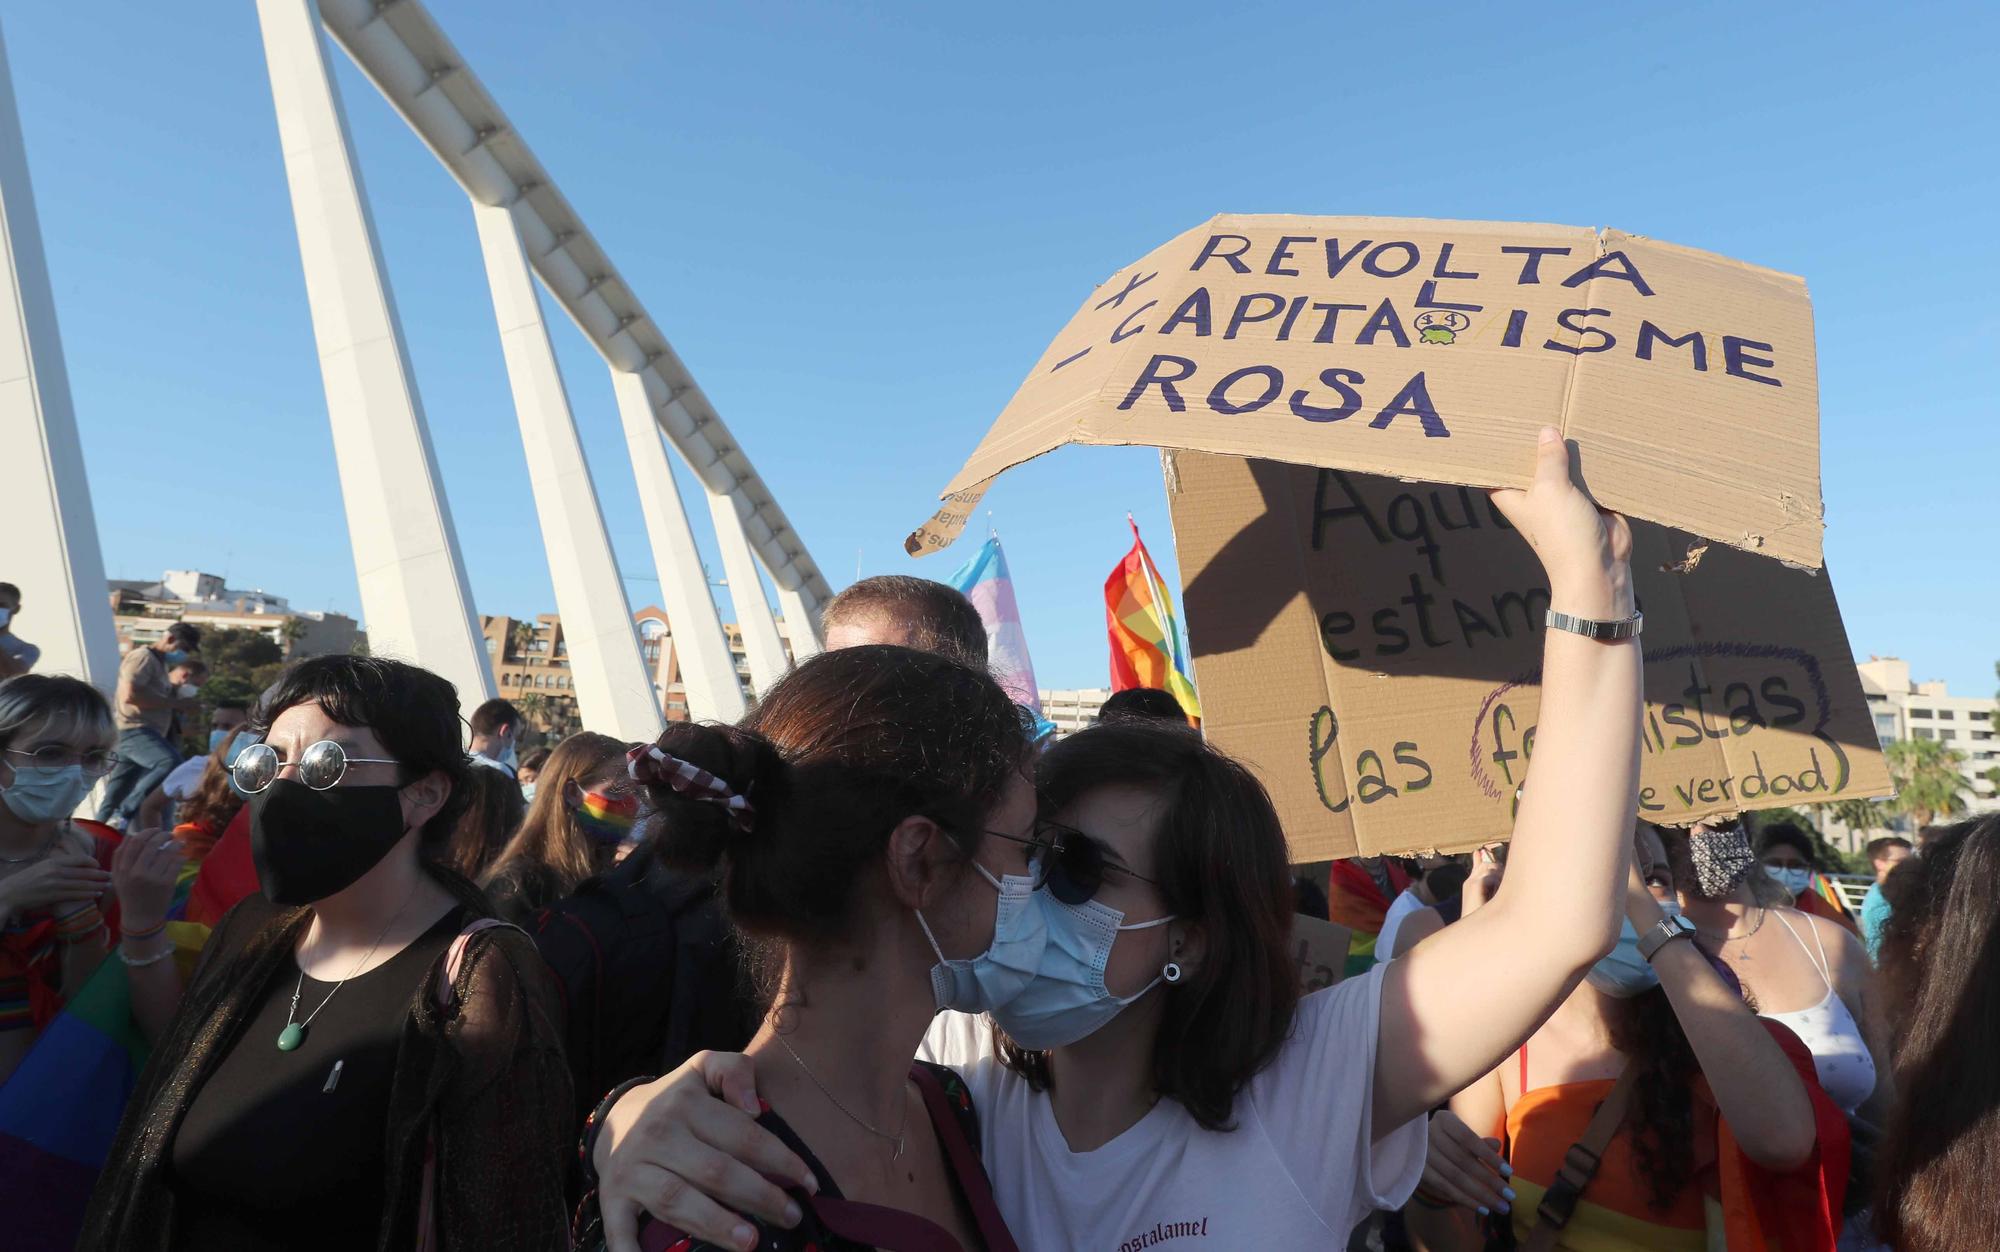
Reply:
x=362, y=1059
x=1160, y=1076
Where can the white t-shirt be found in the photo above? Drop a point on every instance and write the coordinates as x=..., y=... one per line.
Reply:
x=1299, y=1170
x=1392, y=921
x=186, y=776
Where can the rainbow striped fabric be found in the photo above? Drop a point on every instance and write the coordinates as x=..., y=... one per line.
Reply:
x=1147, y=646
x=60, y=1109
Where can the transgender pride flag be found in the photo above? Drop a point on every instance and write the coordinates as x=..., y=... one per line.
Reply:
x=985, y=581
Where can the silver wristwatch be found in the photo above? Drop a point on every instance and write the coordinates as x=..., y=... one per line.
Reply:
x=1669, y=928
x=1591, y=628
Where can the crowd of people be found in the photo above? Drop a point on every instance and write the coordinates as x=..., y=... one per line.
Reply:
x=874, y=968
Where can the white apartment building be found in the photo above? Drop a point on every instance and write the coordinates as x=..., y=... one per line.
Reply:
x=1968, y=724
x=1073, y=708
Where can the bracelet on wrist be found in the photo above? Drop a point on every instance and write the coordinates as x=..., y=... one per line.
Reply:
x=140, y=962
x=1610, y=631
x=587, y=1143
x=147, y=933
x=79, y=924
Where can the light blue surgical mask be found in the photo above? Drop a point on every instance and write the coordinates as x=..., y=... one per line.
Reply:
x=216, y=738
x=243, y=741
x=1794, y=879
x=6, y=615
x=1623, y=973
x=528, y=792
x=41, y=793
x=983, y=983
x=508, y=756
x=1068, y=1000
x=174, y=657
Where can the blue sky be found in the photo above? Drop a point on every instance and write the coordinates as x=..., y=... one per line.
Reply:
x=860, y=224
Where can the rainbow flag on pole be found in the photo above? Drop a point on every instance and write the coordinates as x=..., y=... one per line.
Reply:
x=1147, y=647
x=985, y=581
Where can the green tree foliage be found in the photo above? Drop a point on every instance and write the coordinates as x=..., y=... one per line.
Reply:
x=241, y=664
x=1860, y=816
x=1929, y=778
x=1830, y=859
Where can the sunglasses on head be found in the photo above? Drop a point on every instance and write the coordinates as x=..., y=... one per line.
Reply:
x=1068, y=862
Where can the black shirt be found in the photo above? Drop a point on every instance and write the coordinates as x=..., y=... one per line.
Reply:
x=278, y=1150
x=650, y=974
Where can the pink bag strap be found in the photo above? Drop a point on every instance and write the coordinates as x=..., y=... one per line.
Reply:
x=446, y=996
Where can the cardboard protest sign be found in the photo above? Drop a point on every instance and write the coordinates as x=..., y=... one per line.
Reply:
x=1433, y=350
x=1322, y=949
x=1372, y=648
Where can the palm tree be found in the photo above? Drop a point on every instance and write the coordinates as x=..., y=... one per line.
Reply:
x=1856, y=815
x=534, y=706
x=291, y=630
x=1929, y=778
x=523, y=637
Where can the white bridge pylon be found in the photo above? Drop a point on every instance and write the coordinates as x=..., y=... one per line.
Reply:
x=413, y=587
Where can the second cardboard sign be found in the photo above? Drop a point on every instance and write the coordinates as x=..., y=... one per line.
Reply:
x=1372, y=647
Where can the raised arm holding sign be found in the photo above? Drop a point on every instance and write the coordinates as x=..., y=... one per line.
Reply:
x=1460, y=1001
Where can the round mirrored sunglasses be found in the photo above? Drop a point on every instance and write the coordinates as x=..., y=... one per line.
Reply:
x=321, y=765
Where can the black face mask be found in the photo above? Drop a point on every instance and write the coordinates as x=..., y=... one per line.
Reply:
x=308, y=845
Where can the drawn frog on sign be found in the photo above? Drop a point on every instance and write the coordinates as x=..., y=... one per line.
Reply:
x=1442, y=326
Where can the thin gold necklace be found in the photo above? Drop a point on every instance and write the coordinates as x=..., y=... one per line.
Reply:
x=896, y=1140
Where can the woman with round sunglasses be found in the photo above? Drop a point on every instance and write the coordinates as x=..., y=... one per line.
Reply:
x=362, y=1059
x=1159, y=1076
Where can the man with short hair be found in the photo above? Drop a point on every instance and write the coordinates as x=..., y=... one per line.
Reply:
x=910, y=612
x=17, y=655
x=144, y=708
x=496, y=731
x=227, y=718
x=1884, y=855
x=187, y=680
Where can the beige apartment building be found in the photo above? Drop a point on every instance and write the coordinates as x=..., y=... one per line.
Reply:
x=1927, y=710
x=142, y=611
x=531, y=665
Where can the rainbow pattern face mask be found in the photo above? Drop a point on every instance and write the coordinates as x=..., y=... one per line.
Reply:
x=612, y=819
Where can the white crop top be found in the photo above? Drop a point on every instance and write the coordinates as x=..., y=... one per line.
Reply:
x=1840, y=1054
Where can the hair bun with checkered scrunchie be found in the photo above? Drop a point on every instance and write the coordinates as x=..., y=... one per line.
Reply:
x=652, y=766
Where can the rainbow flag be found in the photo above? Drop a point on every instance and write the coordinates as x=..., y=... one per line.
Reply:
x=59, y=1110
x=985, y=581
x=1147, y=647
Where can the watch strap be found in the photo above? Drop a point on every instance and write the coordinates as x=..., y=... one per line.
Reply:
x=1592, y=628
x=1662, y=933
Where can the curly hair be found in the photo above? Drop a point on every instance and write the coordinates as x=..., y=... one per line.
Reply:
x=214, y=803
x=1661, y=1117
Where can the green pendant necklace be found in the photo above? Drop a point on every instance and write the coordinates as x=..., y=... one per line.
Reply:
x=294, y=1032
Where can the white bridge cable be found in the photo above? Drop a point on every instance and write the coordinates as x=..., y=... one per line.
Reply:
x=400, y=48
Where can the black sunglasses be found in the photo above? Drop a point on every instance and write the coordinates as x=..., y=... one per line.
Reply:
x=1068, y=862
